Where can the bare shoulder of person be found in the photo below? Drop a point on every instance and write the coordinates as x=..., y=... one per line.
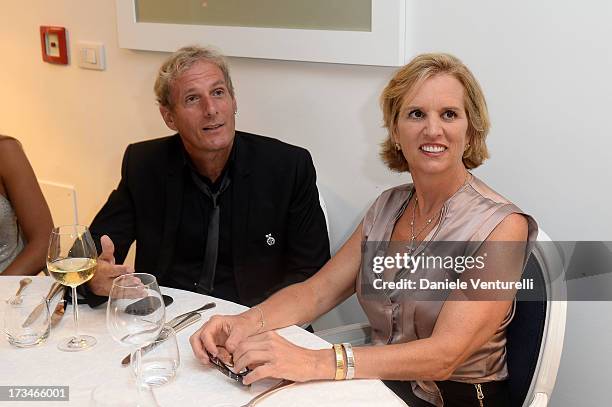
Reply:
x=11, y=149
x=514, y=227
x=9, y=145
x=12, y=158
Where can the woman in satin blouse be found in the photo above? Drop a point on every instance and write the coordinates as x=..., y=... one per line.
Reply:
x=442, y=353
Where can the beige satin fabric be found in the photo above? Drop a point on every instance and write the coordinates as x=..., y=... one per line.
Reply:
x=468, y=217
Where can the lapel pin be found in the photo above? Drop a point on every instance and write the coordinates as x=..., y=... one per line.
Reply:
x=270, y=240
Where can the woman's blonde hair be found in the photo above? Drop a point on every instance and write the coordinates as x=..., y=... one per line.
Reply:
x=413, y=74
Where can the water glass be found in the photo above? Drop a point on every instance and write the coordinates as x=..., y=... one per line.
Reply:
x=160, y=359
x=135, y=314
x=17, y=310
x=122, y=393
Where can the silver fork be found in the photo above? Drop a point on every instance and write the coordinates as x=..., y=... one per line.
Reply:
x=279, y=386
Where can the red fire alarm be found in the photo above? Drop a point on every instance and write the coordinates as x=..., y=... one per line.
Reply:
x=53, y=43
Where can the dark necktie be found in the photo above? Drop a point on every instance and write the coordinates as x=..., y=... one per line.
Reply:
x=207, y=275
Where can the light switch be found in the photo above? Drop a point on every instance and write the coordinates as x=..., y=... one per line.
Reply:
x=91, y=55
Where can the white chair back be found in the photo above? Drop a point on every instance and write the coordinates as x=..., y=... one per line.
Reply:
x=552, y=263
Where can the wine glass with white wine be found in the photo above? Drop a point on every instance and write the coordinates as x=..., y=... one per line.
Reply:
x=71, y=261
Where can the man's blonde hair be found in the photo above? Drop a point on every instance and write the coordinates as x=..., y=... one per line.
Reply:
x=182, y=60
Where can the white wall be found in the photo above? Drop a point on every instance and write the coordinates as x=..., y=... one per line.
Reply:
x=544, y=65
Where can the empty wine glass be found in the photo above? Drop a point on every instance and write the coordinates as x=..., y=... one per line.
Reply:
x=72, y=261
x=135, y=315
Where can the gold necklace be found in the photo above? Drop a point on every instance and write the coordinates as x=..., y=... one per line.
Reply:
x=414, y=235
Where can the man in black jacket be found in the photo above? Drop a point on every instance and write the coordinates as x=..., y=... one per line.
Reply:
x=212, y=210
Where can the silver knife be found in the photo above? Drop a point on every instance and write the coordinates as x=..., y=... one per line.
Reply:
x=190, y=319
x=55, y=288
x=178, y=318
x=59, y=311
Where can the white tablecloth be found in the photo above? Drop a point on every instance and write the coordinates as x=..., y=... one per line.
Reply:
x=194, y=385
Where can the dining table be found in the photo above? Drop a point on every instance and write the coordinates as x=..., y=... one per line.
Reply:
x=195, y=384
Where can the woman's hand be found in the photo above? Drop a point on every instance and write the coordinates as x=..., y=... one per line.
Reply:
x=227, y=331
x=269, y=355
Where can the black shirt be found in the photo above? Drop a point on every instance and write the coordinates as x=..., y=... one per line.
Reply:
x=187, y=266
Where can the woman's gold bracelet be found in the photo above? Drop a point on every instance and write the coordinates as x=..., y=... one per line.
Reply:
x=339, y=362
x=261, y=321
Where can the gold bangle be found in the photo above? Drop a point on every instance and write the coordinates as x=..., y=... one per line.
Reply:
x=339, y=362
x=350, y=360
x=261, y=321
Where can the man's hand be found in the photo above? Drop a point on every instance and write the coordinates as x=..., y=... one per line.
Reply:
x=107, y=270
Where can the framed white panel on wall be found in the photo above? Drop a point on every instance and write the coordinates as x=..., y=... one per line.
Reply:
x=376, y=35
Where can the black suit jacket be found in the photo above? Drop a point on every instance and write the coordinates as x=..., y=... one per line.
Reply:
x=274, y=192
